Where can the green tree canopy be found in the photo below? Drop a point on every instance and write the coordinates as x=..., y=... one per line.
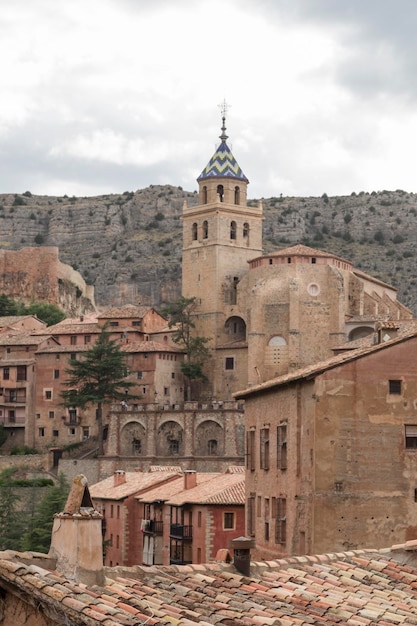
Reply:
x=11, y=520
x=99, y=377
x=181, y=313
x=47, y=312
x=37, y=538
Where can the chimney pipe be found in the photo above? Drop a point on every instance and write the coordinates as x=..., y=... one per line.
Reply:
x=241, y=554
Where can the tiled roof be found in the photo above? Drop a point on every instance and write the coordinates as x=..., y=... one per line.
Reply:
x=358, y=588
x=222, y=164
x=134, y=483
x=128, y=310
x=301, y=250
x=74, y=327
x=149, y=346
x=9, y=320
x=23, y=338
x=218, y=489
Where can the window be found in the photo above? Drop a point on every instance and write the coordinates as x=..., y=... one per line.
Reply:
x=114, y=323
x=411, y=436
x=86, y=433
x=245, y=230
x=41, y=432
x=13, y=395
x=174, y=446
x=251, y=515
x=264, y=448
x=136, y=322
x=73, y=356
x=233, y=230
x=139, y=375
x=55, y=433
x=250, y=450
x=71, y=431
x=51, y=414
x=199, y=519
x=212, y=447
x=228, y=521
x=136, y=446
x=48, y=394
x=87, y=339
x=205, y=229
x=72, y=416
x=237, y=195
x=56, y=374
x=395, y=387
x=281, y=521
x=73, y=340
x=12, y=416
x=6, y=373
x=229, y=363
x=194, y=231
x=220, y=191
x=172, y=375
x=282, y=446
x=21, y=373
x=313, y=260
x=204, y=195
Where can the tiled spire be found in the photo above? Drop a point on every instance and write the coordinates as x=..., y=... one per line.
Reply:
x=223, y=163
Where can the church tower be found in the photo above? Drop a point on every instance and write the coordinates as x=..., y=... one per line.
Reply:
x=220, y=235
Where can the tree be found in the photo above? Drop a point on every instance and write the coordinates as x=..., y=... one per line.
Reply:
x=99, y=377
x=38, y=536
x=181, y=314
x=11, y=519
x=45, y=311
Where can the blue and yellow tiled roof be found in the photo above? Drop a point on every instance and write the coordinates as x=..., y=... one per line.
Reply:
x=223, y=163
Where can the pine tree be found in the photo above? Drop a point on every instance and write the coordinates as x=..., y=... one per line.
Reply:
x=38, y=536
x=11, y=520
x=99, y=377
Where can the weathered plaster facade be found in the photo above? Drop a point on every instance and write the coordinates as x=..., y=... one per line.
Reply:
x=331, y=453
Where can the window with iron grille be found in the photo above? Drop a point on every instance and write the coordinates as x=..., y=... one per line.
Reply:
x=282, y=446
x=264, y=448
x=281, y=521
x=395, y=387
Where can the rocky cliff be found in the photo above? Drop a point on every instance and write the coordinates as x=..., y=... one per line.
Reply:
x=129, y=245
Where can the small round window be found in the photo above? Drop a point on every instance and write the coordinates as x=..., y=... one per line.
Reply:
x=313, y=289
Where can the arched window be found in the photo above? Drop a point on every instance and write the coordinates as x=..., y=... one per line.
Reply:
x=194, y=231
x=205, y=229
x=237, y=195
x=246, y=229
x=233, y=230
x=220, y=191
x=204, y=195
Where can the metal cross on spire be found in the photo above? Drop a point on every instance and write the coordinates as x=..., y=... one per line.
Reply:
x=224, y=107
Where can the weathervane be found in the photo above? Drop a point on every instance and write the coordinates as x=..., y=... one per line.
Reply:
x=224, y=107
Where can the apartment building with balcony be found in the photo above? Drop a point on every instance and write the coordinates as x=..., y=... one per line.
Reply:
x=167, y=516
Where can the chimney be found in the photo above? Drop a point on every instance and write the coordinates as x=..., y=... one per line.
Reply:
x=77, y=543
x=119, y=478
x=190, y=479
x=241, y=554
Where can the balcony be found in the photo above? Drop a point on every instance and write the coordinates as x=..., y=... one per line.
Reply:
x=152, y=527
x=179, y=531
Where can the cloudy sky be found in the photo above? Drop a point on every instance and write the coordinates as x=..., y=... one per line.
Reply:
x=106, y=96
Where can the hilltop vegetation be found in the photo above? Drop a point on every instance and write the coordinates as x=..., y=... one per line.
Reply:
x=129, y=245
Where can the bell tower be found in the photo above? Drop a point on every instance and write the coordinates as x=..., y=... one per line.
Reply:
x=220, y=235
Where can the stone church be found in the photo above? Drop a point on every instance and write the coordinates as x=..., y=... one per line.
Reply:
x=269, y=314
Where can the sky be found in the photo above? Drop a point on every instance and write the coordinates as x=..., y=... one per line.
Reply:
x=107, y=96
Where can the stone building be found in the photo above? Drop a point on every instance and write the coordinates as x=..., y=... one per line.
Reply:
x=266, y=314
x=331, y=452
